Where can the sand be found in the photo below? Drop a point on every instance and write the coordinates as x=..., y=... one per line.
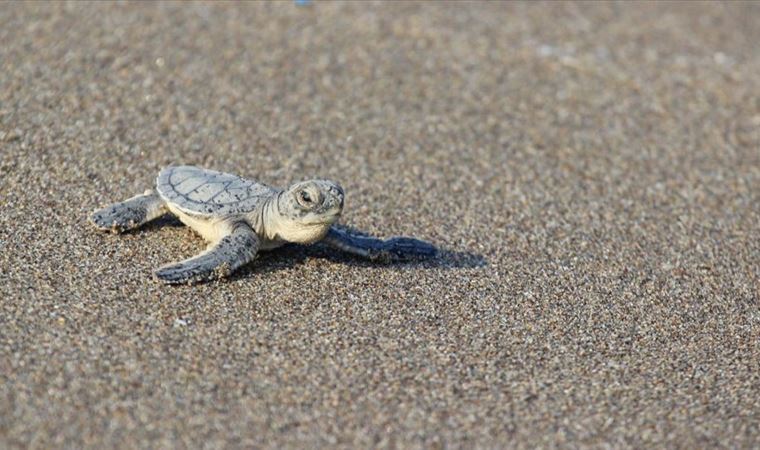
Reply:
x=591, y=174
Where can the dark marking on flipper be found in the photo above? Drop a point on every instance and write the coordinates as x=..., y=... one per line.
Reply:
x=388, y=250
x=221, y=259
x=130, y=213
x=408, y=249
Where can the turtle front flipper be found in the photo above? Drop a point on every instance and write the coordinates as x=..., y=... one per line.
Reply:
x=233, y=250
x=386, y=250
x=130, y=213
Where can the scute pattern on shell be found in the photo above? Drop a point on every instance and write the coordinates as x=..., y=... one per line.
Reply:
x=210, y=193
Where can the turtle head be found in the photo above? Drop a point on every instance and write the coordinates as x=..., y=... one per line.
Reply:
x=308, y=209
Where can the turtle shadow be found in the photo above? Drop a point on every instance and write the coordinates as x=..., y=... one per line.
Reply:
x=444, y=259
x=165, y=221
x=449, y=259
x=292, y=255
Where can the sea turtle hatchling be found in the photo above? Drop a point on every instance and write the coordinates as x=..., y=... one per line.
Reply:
x=239, y=217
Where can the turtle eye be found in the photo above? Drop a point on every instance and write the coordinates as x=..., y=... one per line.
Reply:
x=304, y=198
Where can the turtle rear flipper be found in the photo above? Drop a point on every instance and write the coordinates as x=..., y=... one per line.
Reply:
x=233, y=250
x=130, y=213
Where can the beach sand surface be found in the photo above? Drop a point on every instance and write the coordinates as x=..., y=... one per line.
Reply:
x=590, y=172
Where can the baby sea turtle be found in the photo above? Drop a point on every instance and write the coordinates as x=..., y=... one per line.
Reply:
x=239, y=217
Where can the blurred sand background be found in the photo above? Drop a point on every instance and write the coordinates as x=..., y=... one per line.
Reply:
x=591, y=172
